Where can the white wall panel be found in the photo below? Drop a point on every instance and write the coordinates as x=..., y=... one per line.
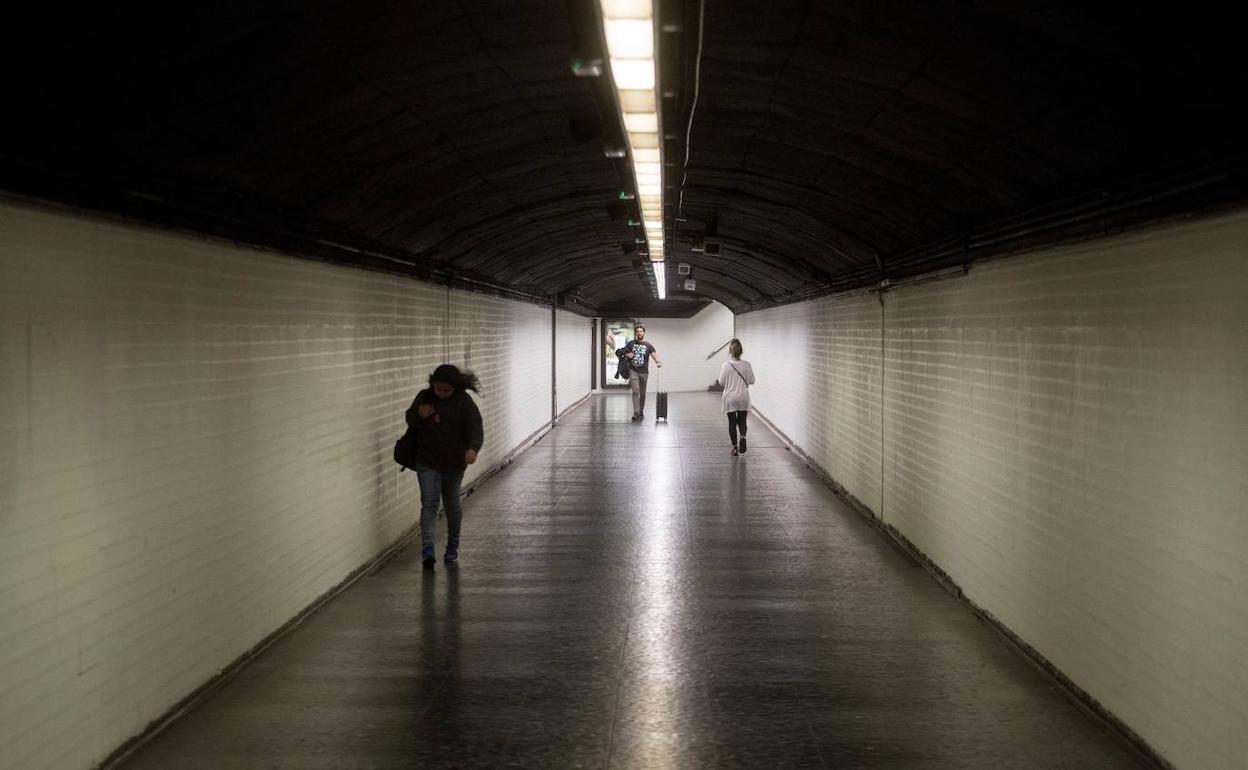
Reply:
x=195, y=444
x=777, y=343
x=818, y=370
x=507, y=344
x=683, y=345
x=1065, y=434
x=574, y=356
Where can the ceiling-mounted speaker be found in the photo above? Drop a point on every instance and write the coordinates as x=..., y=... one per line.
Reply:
x=690, y=284
x=682, y=268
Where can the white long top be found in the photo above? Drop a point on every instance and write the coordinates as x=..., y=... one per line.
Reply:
x=736, y=392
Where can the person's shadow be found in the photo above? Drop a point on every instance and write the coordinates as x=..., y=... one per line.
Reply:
x=439, y=696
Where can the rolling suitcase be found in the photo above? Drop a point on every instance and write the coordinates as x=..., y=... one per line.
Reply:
x=660, y=404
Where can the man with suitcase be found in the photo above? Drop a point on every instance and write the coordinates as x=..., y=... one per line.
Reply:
x=638, y=353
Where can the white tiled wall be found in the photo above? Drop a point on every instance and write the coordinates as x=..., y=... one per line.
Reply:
x=195, y=444
x=683, y=345
x=818, y=370
x=575, y=356
x=507, y=344
x=1065, y=434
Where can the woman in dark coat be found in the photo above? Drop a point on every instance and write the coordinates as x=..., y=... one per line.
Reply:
x=449, y=434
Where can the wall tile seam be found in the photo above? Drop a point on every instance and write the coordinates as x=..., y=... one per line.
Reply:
x=916, y=409
x=1092, y=380
x=825, y=472
x=1101, y=477
x=153, y=586
x=229, y=671
x=96, y=503
x=1081, y=697
x=91, y=497
x=41, y=748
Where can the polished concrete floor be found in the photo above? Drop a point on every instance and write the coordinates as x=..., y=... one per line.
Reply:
x=630, y=595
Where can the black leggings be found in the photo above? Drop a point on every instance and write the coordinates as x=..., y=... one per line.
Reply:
x=735, y=419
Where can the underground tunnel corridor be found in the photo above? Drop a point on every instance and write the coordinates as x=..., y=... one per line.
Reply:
x=630, y=595
x=989, y=260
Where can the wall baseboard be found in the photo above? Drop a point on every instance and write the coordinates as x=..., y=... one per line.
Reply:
x=573, y=405
x=374, y=565
x=1080, y=697
x=157, y=726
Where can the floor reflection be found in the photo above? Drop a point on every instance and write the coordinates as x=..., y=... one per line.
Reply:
x=631, y=595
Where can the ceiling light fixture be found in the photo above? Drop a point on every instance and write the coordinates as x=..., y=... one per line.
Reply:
x=586, y=68
x=629, y=31
x=632, y=74
x=641, y=122
x=629, y=38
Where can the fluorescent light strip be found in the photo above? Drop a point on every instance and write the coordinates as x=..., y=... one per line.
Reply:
x=633, y=73
x=642, y=122
x=630, y=38
x=627, y=9
x=637, y=101
x=628, y=27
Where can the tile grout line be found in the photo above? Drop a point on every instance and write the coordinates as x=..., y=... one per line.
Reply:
x=619, y=688
x=619, y=674
x=813, y=735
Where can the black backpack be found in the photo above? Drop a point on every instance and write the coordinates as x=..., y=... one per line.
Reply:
x=405, y=450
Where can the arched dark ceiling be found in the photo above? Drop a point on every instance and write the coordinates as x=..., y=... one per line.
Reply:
x=837, y=144
x=831, y=145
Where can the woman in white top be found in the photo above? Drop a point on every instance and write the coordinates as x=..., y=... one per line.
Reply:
x=736, y=376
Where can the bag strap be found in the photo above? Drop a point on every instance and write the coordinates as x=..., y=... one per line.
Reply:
x=739, y=374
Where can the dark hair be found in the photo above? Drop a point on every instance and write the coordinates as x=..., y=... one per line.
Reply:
x=638, y=326
x=734, y=348
x=451, y=375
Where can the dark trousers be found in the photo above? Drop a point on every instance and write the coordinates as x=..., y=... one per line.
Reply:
x=735, y=420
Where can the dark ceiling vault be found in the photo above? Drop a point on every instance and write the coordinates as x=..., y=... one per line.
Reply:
x=833, y=145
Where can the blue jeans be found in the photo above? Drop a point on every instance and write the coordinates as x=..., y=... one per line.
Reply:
x=435, y=484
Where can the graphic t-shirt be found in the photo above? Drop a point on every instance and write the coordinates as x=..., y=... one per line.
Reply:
x=639, y=355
